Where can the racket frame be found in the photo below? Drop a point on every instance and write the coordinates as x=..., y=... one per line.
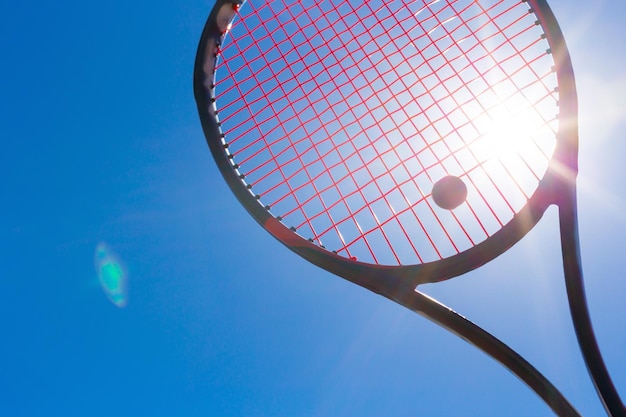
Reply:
x=399, y=283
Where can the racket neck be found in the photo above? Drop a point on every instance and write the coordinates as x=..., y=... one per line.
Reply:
x=489, y=344
x=579, y=310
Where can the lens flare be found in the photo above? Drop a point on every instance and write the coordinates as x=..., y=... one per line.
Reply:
x=111, y=274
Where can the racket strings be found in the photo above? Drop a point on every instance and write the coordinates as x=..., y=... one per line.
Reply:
x=515, y=52
x=312, y=181
x=343, y=116
x=393, y=107
x=375, y=178
x=442, y=82
x=447, y=34
x=302, y=170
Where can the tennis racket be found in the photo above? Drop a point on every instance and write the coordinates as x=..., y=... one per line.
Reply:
x=401, y=143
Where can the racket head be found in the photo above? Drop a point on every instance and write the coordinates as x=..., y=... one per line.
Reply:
x=251, y=48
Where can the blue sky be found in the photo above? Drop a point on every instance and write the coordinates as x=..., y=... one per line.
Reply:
x=102, y=145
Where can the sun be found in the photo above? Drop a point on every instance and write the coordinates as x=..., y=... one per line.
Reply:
x=517, y=138
x=510, y=131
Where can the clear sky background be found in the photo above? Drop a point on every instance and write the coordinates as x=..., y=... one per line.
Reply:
x=101, y=144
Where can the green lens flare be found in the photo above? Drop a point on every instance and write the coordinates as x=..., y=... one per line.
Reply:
x=112, y=275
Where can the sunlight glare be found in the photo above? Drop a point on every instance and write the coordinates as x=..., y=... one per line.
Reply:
x=111, y=274
x=506, y=133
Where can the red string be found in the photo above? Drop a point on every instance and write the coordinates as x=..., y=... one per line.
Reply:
x=342, y=116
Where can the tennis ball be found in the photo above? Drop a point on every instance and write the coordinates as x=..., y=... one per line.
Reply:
x=449, y=192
